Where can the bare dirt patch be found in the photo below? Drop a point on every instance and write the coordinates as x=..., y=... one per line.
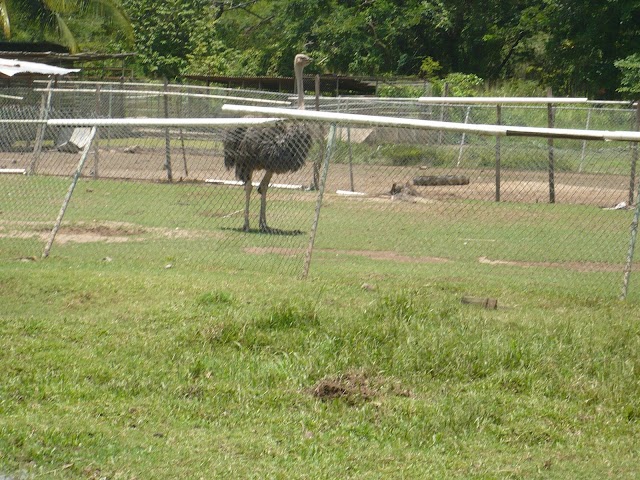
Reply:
x=88, y=232
x=146, y=164
x=372, y=254
x=98, y=232
x=356, y=387
x=576, y=266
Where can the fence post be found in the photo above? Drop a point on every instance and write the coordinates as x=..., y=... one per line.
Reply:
x=464, y=136
x=498, y=166
x=167, y=139
x=551, y=122
x=445, y=93
x=67, y=198
x=109, y=114
x=632, y=245
x=323, y=182
x=315, y=181
x=96, y=149
x=181, y=135
x=634, y=158
x=584, y=142
x=45, y=107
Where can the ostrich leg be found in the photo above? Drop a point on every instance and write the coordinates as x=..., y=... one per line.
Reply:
x=247, y=201
x=262, y=189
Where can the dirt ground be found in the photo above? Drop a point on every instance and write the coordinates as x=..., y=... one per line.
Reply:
x=137, y=163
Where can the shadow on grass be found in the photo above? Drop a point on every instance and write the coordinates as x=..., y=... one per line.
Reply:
x=270, y=231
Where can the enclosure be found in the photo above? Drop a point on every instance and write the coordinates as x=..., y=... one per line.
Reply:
x=450, y=200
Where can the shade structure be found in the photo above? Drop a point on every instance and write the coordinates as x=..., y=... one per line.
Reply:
x=10, y=68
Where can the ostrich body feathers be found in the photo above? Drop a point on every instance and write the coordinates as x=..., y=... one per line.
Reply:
x=280, y=148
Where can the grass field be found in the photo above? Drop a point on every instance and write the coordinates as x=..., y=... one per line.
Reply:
x=113, y=371
x=161, y=342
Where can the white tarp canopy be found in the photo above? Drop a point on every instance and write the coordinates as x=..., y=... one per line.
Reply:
x=9, y=68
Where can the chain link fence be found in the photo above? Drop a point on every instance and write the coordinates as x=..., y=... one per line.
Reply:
x=141, y=190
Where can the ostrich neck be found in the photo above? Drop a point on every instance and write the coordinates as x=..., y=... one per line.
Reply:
x=299, y=85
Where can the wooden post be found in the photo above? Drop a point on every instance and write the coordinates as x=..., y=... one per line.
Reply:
x=67, y=197
x=498, y=122
x=45, y=107
x=552, y=168
x=167, y=139
x=323, y=182
x=96, y=151
x=634, y=158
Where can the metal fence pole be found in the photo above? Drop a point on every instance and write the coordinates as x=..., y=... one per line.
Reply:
x=632, y=245
x=167, y=138
x=464, y=137
x=96, y=150
x=72, y=187
x=323, y=181
x=634, y=158
x=45, y=107
x=498, y=122
x=552, y=169
x=584, y=142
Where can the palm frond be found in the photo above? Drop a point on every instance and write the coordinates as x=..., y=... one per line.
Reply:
x=4, y=19
x=65, y=33
x=113, y=9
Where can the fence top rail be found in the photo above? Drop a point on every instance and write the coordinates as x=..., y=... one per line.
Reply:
x=366, y=120
x=502, y=100
x=492, y=130
x=157, y=122
x=158, y=93
x=11, y=97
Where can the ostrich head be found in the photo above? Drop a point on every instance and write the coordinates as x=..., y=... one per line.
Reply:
x=301, y=60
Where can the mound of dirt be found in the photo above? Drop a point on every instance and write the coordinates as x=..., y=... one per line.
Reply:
x=356, y=387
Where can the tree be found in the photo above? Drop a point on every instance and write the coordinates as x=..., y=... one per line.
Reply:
x=585, y=39
x=35, y=20
x=630, y=68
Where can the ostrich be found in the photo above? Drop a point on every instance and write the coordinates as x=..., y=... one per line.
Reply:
x=277, y=149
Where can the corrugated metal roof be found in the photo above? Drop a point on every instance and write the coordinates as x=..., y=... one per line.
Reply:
x=336, y=84
x=9, y=68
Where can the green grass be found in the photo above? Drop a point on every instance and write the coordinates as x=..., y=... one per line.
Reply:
x=480, y=153
x=188, y=357
x=152, y=373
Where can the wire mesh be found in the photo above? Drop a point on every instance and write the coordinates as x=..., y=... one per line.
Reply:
x=456, y=205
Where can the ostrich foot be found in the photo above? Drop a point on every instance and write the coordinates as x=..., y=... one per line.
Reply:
x=264, y=228
x=277, y=231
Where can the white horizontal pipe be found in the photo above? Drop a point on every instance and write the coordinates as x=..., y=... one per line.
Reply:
x=349, y=193
x=158, y=93
x=354, y=119
x=158, y=122
x=16, y=120
x=237, y=183
x=13, y=170
x=12, y=97
x=603, y=135
x=493, y=130
x=501, y=100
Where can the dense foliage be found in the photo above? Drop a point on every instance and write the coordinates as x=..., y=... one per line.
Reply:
x=78, y=24
x=570, y=45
